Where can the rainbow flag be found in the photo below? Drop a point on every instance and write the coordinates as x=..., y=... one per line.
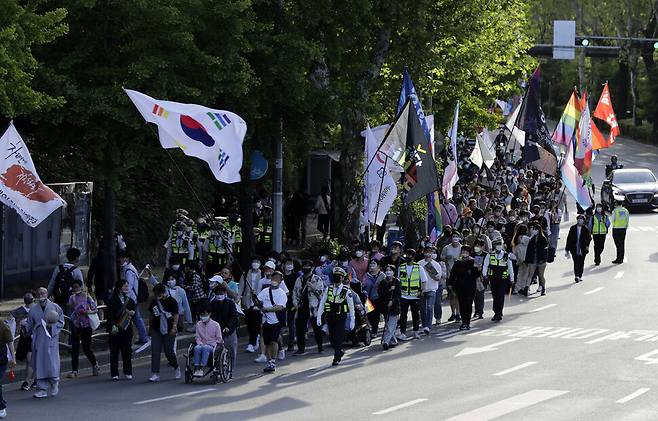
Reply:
x=583, y=143
x=369, y=306
x=568, y=124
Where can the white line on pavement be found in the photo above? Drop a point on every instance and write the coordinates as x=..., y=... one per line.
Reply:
x=619, y=274
x=593, y=290
x=543, y=308
x=506, y=406
x=518, y=367
x=634, y=395
x=164, y=398
x=396, y=407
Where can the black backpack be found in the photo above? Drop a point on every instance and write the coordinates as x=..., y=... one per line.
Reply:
x=63, y=282
x=142, y=292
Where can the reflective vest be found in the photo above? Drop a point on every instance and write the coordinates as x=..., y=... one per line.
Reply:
x=214, y=251
x=237, y=234
x=336, y=304
x=410, y=283
x=265, y=232
x=498, y=268
x=598, y=225
x=181, y=251
x=620, y=214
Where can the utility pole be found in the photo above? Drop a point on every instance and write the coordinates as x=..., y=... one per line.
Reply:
x=277, y=193
x=581, y=56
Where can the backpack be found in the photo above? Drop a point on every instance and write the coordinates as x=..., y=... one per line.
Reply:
x=63, y=282
x=142, y=292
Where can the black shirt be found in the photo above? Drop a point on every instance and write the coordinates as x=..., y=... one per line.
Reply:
x=170, y=305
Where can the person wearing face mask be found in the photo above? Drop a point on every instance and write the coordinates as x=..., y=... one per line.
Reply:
x=248, y=290
x=306, y=296
x=163, y=326
x=492, y=232
x=129, y=274
x=536, y=257
x=375, y=253
x=577, y=246
x=337, y=306
x=208, y=334
x=193, y=287
x=466, y=220
x=477, y=234
x=430, y=278
x=479, y=255
x=63, y=276
x=463, y=279
x=24, y=346
x=232, y=287
x=498, y=270
x=45, y=322
x=395, y=257
x=120, y=311
x=180, y=244
x=80, y=307
x=178, y=294
x=390, y=294
x=325, y=268
x=450, y=254
x=409, y=275
x=224, y=311
x=519, y=248
x=370, y=287
x=359, y=263
x=599, y=224
x=555, y=216
x=272, y=304
x=289, y=278
x=269, y=269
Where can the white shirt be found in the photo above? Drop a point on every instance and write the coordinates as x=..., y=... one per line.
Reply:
x=348, y=298
x=280, y=299
x=427, y=282
x=266, y=282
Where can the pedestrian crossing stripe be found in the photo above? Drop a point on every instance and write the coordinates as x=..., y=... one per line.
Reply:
x=644, y=229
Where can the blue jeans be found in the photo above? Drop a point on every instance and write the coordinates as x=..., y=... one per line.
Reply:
x=139, y=324
x=438, y=311
x=201, y=354
x=427, y=308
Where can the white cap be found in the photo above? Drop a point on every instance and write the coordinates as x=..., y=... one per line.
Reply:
x=216, y=279
x=270, y=264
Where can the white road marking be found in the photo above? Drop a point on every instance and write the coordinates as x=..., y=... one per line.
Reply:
x=619, y=274
x=593, y=291
x=645, y=229
x=509, y=405
x=164, y=398
x=518, y=367
x=543, y=308
x=396, y=407
x=492, y=347
x=634, y=395
x=647, y=357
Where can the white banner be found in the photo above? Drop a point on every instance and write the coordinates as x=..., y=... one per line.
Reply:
x=381, y=190
x=214, y=136
x=20, y=186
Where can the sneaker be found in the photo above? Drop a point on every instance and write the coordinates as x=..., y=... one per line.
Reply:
x=271, y=367
x=426, y=331
x=401, y=337
x=54, y=389
x=3, y=413
x=25, y=386
x=478, y=317
x=299, y=353
x=177, y=373
x=458, y=318
x=291, y=348
x=154, y=378
x=115, y=378
x=40, y=394
x=385, y=346
x=261, y=359
x=417, y=334
x=96, y=370
x=250, y=349
x=282, y=355
x=451, y=318
x=198, y=373
x=129, y=376
x=335, y=363
x=437, y=322
x=72, y=374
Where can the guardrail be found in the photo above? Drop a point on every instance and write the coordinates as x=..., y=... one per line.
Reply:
x=67, y=321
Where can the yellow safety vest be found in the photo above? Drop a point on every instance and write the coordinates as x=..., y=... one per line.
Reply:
x=598, y=225
x=410, y=283
x=498, y=267
x=621, y=217
x=336, y=303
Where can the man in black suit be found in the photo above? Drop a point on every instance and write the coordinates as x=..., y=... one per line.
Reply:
x=578, y=246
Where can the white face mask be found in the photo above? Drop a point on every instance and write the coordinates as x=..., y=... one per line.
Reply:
x=359, y=253
x=344, y=264
x=289, y=268
x=255, y=265
x=175, y=267
x=323, y=259
x=434, y=255
x=477, y=249
x=372, y=268
x=389, y=273
x=534, y=232
x=499, y=248
x=205, y=319
x=171, y=283
x=221, y=297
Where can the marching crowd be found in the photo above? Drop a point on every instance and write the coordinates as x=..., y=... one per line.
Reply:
x=498, y=236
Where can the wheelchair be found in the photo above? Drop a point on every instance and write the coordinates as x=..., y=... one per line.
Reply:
x=219, y=366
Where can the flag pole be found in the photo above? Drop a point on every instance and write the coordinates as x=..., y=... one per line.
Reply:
x=381, y=186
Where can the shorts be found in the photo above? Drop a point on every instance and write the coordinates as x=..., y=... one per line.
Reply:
x=271, y=333
x=24, y=346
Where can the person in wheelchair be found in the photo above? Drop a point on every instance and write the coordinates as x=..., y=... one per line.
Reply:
x=208, y=335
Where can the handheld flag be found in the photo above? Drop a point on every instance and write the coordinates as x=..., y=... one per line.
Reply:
x=583, y=152
x=369, y=306
x=566, y=127
x=605, y=112
x=381, y=190
x=573, y=181
x=450, y=176
x=20, y=186
x=214, y=136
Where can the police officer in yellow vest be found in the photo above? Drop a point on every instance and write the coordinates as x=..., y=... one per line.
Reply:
x=179, y=244
x=619, y=220
x=337, y=306
x=214, y=253
x=498, y=269
x=599, y=224
x=409, y=276
x=264, y=243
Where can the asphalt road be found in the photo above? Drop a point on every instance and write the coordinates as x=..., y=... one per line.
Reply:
x=585, y=351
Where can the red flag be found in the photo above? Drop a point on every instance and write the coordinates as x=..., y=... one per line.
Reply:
x=598, y=140
x=605, y=112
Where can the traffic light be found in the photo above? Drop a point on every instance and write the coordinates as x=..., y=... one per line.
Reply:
x=584, y=42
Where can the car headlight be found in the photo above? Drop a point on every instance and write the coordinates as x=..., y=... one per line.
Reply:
x=618, y=195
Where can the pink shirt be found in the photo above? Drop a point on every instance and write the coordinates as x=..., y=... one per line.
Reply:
x=360, y=267
x=208, y=333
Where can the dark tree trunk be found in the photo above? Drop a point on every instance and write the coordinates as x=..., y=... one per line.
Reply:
x=247, y=219
x=109, y=228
